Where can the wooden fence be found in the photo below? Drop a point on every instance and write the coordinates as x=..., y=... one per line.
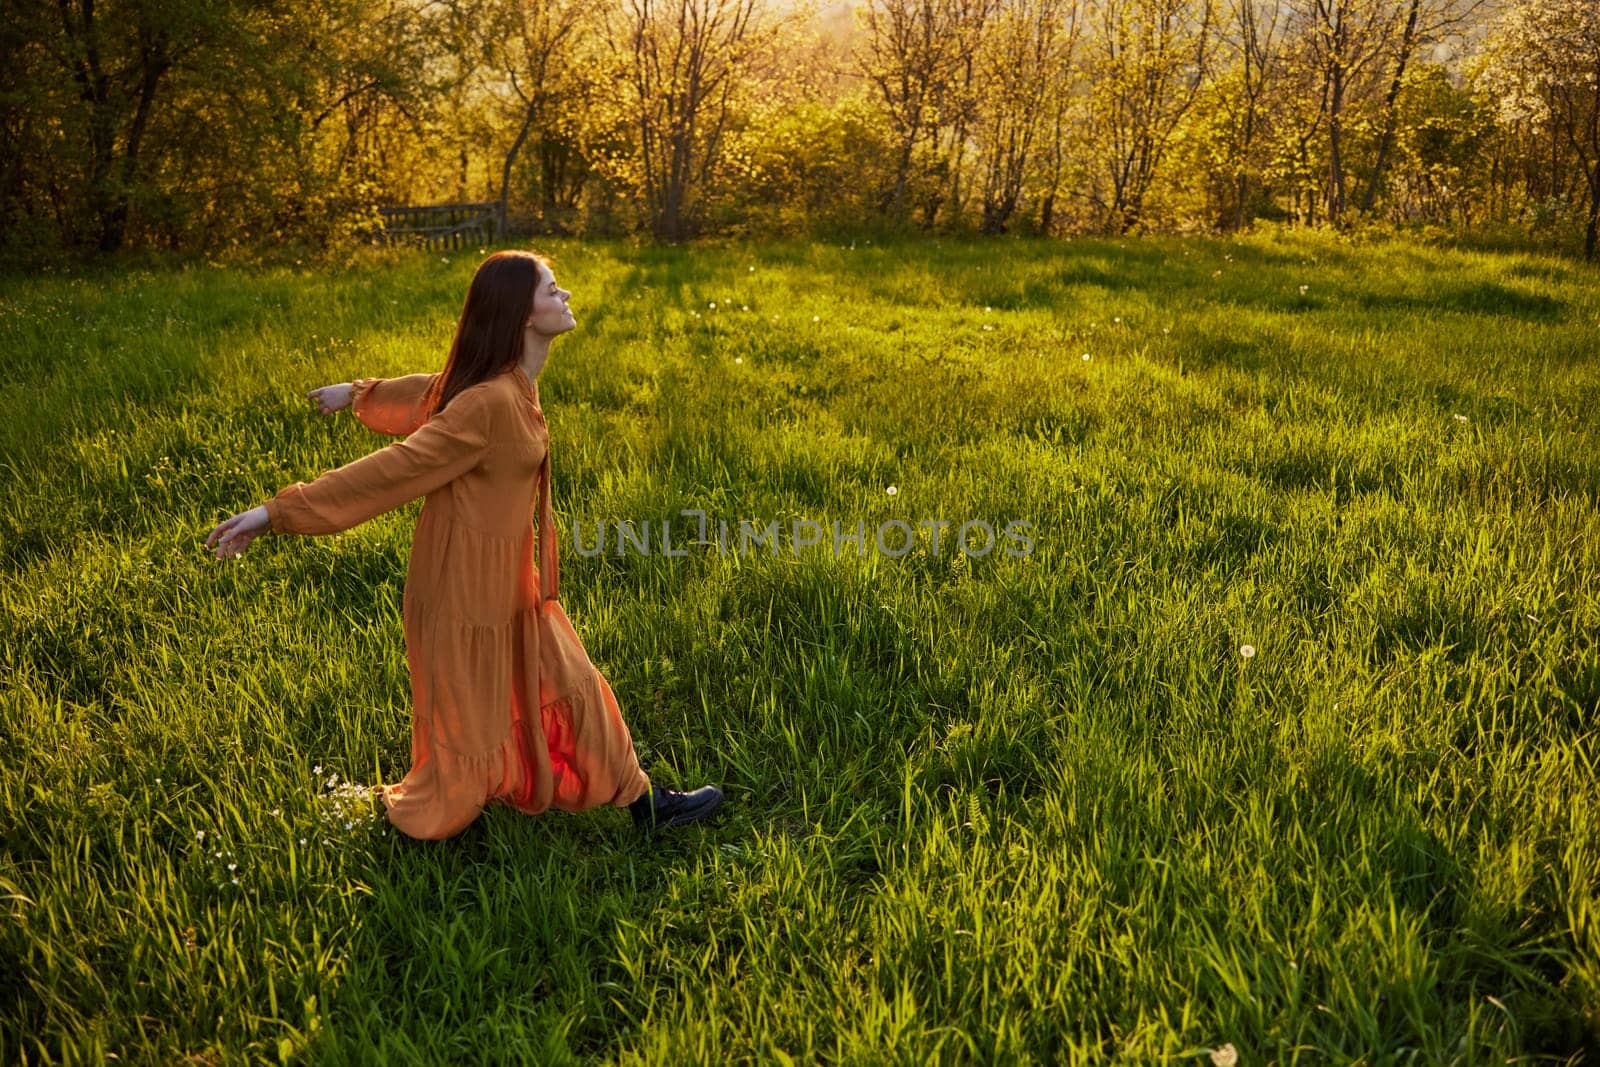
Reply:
x=443, y=225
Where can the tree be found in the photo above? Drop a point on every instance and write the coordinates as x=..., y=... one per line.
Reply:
x=117, y=58
x=1028, y=42
x=1255, y=38
x=685, y=61
x=919, y=54
x=533, y=50
x=1343, y=42
x=1149, y=58
x=1426, y=21
x=1542, y=61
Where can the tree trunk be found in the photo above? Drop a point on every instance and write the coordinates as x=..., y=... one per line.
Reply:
x=511, y=158
x=1335, y=160
x=1592, y=231
x=1391, y=109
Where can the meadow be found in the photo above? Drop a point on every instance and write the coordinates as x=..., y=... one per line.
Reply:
x=1279, y=747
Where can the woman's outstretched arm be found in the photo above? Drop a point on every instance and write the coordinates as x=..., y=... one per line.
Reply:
x=391, y=405
x=443, y=449
x=386, y=405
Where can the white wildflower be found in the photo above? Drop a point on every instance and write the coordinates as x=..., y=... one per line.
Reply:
x=816, y=318
x=738, y=359
x=1458, y=418
x=1086, y=357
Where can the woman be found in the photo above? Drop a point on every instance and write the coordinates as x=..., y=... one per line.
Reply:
x=506, y=705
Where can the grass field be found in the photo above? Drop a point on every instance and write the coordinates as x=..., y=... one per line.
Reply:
x=980, y=809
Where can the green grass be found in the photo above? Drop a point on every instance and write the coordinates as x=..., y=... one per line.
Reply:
x=979, y=809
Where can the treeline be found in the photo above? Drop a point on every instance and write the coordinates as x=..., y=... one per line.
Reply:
x=195, y=125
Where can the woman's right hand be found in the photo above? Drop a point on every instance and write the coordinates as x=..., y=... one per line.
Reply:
x=333, y=397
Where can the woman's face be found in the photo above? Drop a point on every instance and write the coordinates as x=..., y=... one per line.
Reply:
x=551, y=315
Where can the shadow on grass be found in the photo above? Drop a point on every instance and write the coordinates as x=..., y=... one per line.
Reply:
x=1482, y=298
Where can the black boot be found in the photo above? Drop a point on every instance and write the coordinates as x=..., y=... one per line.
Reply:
x=661, y=808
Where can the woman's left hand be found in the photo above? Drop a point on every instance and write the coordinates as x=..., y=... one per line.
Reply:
x=233, y=535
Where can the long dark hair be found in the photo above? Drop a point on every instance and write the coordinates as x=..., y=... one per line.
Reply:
x=489, y=336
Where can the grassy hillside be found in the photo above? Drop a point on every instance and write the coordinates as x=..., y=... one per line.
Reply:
x=979, y=808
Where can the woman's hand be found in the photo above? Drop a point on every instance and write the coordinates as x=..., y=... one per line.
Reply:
x=233, y=535
x=333, y=397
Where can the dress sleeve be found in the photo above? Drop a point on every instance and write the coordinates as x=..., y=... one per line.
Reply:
x=391, y=405
x=442, y=450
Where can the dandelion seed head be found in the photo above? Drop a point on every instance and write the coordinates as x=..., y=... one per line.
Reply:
x=1226, y=1056
x=893, y=490
x=816, y=318
x=1247, y=651
x=1086, y=357
x=302, y=840
x=712, y=305
x=738, y=359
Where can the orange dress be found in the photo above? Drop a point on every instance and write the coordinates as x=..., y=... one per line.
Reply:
x=506, y=706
